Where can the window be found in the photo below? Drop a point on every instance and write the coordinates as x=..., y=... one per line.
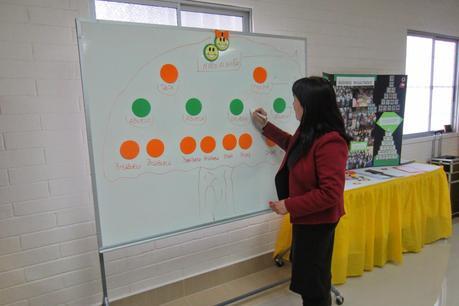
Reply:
x=431, y=66
x=119, y=11
x=178, y=13
x=211, y=21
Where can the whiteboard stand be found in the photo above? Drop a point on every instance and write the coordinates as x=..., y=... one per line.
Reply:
x=111, y=91
x=105, y=301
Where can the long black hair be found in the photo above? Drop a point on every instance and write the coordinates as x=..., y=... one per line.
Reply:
x=320, y=111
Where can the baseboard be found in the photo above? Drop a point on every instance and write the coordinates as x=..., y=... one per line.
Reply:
x=197, y=283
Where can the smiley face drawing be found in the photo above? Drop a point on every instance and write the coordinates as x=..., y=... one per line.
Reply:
x=221, y=40
x=211, y=52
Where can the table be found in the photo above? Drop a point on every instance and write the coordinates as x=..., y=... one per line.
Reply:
x=386, y=215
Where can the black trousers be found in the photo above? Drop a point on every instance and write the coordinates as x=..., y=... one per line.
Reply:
x=311, y=254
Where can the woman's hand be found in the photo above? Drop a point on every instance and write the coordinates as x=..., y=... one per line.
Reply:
x=260, y=118
x=278, y=207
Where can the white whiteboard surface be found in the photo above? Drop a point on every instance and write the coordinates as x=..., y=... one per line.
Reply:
x=149, y=93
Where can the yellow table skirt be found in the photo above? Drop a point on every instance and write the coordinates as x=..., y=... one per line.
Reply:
x=384, y=220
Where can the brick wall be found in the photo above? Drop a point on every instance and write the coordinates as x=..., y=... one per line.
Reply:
x=48, y=249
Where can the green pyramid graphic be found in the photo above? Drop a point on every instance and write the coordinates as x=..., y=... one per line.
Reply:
x=387, y=154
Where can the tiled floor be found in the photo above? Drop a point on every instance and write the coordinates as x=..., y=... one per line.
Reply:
x=429, y=278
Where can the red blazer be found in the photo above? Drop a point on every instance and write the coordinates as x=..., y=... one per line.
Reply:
x=313, y=189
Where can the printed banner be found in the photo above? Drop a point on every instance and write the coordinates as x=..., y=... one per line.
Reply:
x=372, y=107
x=389, y=96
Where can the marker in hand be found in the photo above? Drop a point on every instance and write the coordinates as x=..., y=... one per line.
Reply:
x=259, y=117
x=259, y=114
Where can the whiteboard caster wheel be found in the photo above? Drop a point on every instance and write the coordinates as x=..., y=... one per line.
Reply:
x=279, y=261
x=339, y=300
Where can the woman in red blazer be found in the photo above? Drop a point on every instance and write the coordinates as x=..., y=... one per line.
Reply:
x=310, y=184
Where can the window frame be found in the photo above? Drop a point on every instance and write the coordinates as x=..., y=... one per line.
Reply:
x=454, y=112
x=192, y=6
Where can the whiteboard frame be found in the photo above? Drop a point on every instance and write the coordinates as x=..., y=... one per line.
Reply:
x=150, y=238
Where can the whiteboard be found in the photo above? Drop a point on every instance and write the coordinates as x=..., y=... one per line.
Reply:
x=171, y=142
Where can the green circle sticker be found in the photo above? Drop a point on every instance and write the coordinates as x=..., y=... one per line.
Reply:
x=193, y=106
x=279, y=105
x=236, y=107
x=141, y=107
x=211, y=52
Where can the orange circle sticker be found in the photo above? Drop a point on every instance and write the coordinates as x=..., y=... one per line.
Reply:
x=155, y=148
x=260, y=75
x=229, y=142
x=188, y=145
x=208, y=144
x=245, y=141
x=129, y=149
x=169, y=73
x=270, y=143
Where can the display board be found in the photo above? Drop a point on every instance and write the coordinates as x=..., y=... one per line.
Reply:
x=372, y=107
x=171, y=141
